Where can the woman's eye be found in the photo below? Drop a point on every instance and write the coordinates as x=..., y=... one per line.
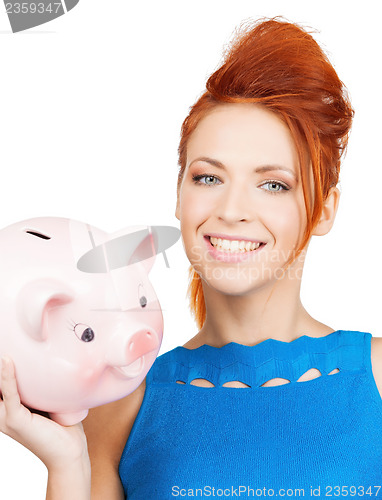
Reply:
x=209, y=179
x=275, y=187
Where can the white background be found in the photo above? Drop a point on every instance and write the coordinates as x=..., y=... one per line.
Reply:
x=91, y=106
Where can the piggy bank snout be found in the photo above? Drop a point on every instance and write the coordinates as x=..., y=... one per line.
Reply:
x=141, y=343
x=128, y=358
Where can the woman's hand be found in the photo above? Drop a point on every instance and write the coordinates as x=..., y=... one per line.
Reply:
x=62, y=449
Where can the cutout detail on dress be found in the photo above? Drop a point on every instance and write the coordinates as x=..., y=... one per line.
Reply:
x=236, y=384
x=202, y=382
x=311, y=374
x=275, y=381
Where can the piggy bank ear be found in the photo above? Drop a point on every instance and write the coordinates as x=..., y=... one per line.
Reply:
x=144, y=251
x=34, y=302
x=154, y=240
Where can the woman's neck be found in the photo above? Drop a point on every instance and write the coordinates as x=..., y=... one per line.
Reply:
x=251, y=318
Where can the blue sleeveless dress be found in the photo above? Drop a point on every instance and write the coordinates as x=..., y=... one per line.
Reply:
x=319, y=438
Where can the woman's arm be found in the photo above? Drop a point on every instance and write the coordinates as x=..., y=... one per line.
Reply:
x=62, y=449
x=107, y=428
x=72, y=482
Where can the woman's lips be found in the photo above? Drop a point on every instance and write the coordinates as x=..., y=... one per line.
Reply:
x=227, y=256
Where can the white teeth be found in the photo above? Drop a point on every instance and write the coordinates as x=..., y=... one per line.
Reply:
x=225, y=244
x=234, y=246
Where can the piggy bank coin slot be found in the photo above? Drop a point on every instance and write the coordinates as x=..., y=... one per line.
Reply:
x=39, y=235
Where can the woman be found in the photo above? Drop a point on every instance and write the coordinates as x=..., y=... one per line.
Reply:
x=264, y=396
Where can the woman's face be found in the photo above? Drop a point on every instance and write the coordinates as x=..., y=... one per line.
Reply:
x=241, y=185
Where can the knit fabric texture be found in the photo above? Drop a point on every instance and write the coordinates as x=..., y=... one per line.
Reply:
x=317, y=438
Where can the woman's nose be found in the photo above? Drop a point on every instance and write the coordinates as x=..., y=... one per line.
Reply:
x=235, y=204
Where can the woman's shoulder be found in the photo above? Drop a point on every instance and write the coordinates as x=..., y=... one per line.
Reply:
x=376, y=361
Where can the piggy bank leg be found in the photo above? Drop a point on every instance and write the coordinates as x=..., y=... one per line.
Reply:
x=69, y=418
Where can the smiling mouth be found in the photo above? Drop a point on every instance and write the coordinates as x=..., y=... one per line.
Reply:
x=234, y=246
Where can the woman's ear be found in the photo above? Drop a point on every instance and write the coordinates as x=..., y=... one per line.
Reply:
x=328, y=213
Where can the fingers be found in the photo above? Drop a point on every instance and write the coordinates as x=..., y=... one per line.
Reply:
x=10, y=395
x=8, y=384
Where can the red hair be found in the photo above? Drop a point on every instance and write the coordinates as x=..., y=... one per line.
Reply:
x=279, y=65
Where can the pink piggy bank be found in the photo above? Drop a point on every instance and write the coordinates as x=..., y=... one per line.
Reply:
x=80, y=319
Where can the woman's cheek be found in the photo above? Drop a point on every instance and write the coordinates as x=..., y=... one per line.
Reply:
x=198, y=205
x=289, y=222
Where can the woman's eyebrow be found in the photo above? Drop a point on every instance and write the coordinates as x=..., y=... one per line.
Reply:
x=263, y=168
x=267, y=168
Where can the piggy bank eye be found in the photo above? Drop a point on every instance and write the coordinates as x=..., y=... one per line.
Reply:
x=142, y=296
x=84, y=332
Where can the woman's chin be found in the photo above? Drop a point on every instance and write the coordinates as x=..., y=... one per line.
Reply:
x=231, y=287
